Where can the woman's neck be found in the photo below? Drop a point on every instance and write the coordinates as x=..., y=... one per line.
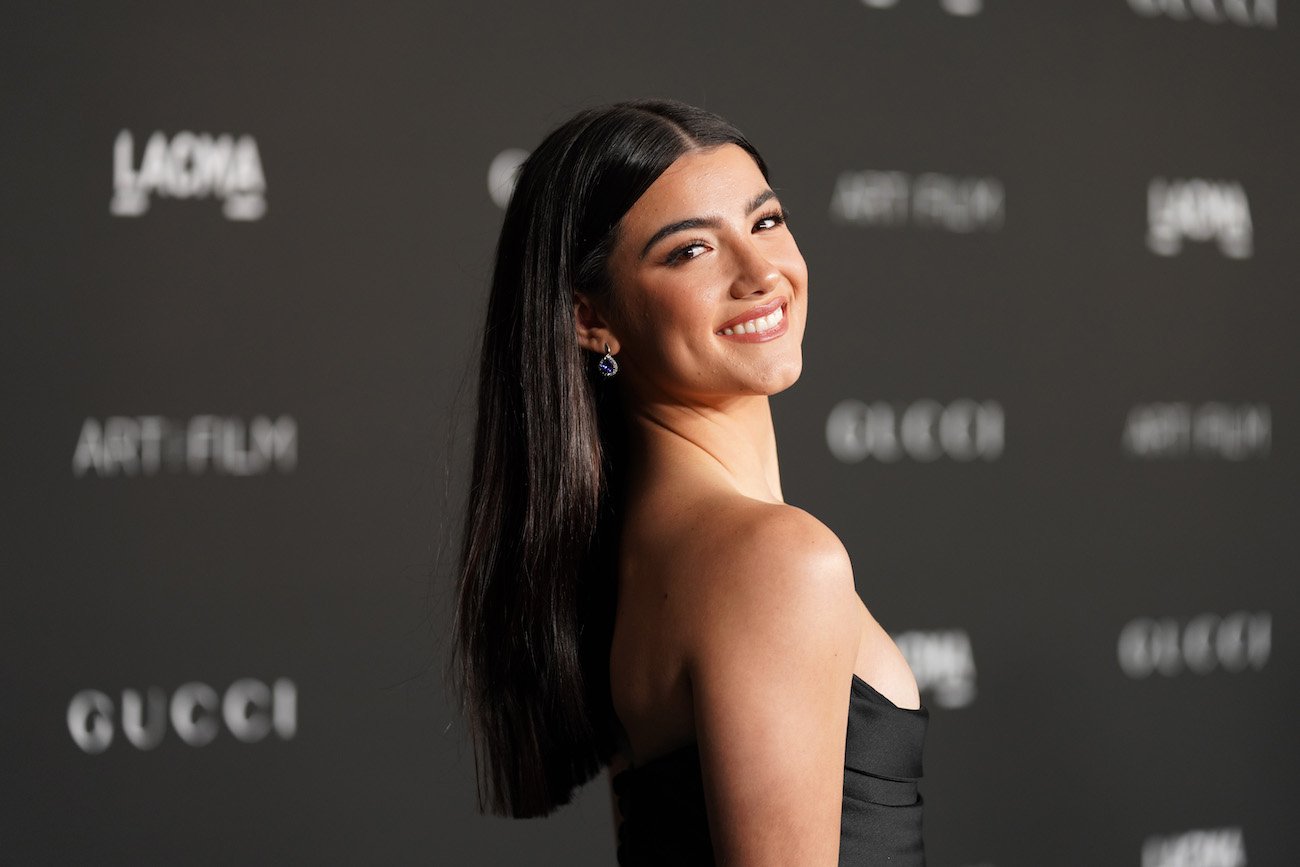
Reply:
x=734, y=439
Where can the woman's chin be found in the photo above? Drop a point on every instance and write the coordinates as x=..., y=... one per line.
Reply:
x=779, y=377
x=790, y=379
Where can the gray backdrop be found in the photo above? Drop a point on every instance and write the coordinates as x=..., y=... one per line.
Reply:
x=1049, y=404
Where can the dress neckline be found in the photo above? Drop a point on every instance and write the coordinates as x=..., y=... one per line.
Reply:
x=859, y=681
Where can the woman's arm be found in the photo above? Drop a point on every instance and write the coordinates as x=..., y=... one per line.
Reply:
x=771, y=665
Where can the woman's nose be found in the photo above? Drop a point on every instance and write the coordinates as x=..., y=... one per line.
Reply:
x=755, y=273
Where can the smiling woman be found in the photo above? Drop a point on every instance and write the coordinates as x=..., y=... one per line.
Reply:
x=634, y=591
x=728, y=264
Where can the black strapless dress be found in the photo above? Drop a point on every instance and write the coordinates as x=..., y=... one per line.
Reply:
x=665, y=821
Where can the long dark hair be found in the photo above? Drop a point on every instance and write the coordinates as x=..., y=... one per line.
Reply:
x=536, y=594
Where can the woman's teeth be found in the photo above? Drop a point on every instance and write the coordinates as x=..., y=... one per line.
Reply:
x=762, y=323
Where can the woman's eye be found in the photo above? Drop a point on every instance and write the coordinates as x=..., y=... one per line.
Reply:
x=680, y=253
x=776, y=218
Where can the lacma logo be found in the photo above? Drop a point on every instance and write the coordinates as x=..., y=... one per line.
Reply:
x=189, y=166
x=1198, y=210
x=942, y=663
x=149, y=444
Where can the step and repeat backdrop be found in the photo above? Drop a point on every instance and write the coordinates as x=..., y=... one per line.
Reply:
x=1049, y=403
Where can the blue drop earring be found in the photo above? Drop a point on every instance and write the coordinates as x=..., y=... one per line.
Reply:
x=607, y=365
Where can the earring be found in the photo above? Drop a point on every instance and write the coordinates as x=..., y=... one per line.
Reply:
x=607, y=365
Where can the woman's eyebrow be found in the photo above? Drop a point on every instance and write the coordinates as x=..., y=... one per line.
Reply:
x=702, y=222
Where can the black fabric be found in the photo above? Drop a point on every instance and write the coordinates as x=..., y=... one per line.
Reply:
x=663, y=806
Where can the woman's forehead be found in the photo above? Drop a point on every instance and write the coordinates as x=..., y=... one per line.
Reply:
x=720, y=174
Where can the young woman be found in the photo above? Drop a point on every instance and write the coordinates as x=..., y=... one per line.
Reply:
x=634, y=591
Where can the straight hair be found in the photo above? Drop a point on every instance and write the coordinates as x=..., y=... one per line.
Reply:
x=536, y=586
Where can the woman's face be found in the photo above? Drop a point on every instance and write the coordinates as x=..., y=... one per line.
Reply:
x=709, y=289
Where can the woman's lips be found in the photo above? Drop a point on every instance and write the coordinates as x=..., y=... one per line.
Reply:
x=765, y=322
x=752, y=313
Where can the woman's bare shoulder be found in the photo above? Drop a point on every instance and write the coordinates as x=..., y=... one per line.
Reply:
x=731, y=545
x=731, y=572
x=740, y=569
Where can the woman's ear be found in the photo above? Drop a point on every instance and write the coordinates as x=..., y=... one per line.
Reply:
x=593, y=331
